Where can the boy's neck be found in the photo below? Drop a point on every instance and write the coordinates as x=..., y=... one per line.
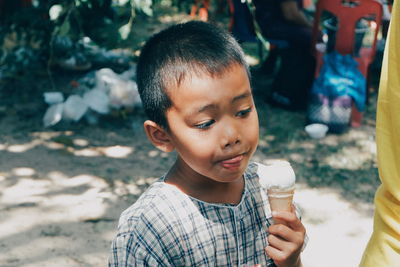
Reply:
x=205, y=189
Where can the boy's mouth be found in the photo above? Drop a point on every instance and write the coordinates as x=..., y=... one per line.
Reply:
x=232, y=163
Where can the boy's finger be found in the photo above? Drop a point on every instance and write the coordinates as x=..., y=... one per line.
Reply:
x=290, y=218
x=280, y=230
x=277, y=242
x=274, y=253
x=285, y=234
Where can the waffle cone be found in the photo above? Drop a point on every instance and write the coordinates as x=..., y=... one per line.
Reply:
x=280, y=200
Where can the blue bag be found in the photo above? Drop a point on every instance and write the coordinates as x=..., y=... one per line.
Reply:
x=339, y=76
x=337, y=86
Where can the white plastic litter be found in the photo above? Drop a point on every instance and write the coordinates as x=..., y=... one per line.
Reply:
x=122, y=90
x=97, y=100
x=53, y=97
x=98, y=93
x=74, y=108
x=105, y=78
x=53, y=115
x=124, y=94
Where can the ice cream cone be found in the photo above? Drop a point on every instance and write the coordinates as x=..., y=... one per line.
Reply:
x=280, y=200
x=278, y=179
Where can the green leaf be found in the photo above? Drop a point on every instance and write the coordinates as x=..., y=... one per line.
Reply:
x=64, y=28
x=125, y=30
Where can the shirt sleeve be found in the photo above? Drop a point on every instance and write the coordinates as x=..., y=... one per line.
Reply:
x=384, y=245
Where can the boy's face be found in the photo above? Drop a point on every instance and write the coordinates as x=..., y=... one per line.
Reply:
x=214, y=125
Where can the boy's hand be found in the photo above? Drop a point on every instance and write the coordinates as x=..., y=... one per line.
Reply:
x=286, y=240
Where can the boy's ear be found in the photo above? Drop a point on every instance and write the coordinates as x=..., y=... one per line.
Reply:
x=158, y=136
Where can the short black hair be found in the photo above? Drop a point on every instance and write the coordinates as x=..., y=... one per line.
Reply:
x=170, y=56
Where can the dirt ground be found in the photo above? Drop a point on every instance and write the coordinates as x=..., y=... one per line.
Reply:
x=63, y=188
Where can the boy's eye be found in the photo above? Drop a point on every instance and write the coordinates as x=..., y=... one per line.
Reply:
x=205, y=125
x=243, y=113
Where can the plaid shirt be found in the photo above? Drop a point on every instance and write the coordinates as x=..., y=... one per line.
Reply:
x=166, y=227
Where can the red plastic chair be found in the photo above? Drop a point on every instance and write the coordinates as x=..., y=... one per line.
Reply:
x=348, y=13
x=202, y=10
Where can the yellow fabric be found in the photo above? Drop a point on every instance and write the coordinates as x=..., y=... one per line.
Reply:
x=384, y=246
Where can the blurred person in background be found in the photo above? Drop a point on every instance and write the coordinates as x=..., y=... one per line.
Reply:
x=286, y=20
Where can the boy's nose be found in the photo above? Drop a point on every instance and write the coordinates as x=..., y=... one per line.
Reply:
x=231, y=136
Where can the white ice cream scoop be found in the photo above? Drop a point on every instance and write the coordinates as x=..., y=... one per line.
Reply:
x=277, y=174
x=278, y=180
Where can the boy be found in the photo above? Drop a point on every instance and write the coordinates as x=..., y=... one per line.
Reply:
x=208, y=209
